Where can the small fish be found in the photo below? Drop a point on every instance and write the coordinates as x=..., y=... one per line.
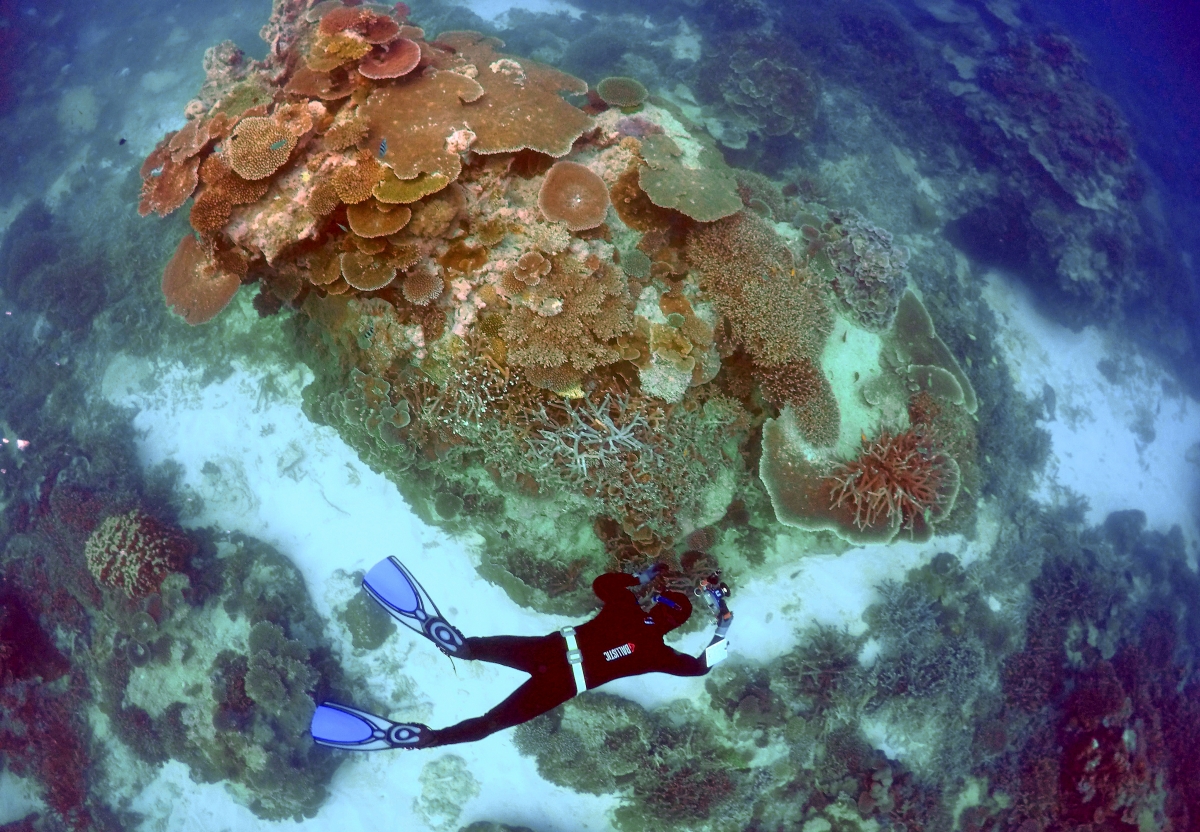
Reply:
x=279, y=144
x=121, y=142
x=382, y=147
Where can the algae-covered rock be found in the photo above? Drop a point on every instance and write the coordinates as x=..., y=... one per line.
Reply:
x=369, y=625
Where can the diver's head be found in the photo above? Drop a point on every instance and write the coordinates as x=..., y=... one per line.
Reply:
x=670, y=610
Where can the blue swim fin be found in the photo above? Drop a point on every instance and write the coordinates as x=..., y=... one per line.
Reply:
x=396, y=590
x=340, y=726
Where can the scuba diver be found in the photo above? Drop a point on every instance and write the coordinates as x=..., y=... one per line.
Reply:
x=622, y=640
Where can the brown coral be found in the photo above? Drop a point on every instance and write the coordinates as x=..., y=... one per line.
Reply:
x=258, y=147
x=622, y=92
x=355, y=180
x=376, y=219
x=573, y=194
x=422, y=287
x=168, y=187
x=193, y=284
x=366, y=21
x=366, y=272
x=777, y=312
x=521, y=108
x=532, y=266
x=411, y=122
x=801, y=384
x=190, y=140
x=345, y=133
x=704, y=189
x=312, y=84
x=589, y=308
x=399, y=58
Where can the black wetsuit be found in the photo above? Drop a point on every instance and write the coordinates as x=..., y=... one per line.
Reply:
x=618, y=642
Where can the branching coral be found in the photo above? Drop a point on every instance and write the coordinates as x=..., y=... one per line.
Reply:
x=776, y=311
x=897, y=480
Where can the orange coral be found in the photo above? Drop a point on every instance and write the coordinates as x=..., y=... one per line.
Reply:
x=194, y=286
x=258, y=147
x=168, y=187
x=574, y=195
x=898, y=478
x=210, y=212
x=399, y=58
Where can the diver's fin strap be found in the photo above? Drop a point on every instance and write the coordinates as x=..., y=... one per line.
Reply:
x=574, y=658
x=396, y=590
x=340, y=726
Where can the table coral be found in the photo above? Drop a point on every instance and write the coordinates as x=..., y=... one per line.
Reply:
x=574, y=195
x=195, y=285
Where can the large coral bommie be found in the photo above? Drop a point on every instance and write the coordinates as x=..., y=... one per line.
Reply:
x=437, y=212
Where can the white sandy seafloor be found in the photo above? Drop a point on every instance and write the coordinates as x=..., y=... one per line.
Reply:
x=260, y=467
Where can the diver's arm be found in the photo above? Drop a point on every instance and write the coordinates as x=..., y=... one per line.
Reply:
x=613, y=585
x=717, y=648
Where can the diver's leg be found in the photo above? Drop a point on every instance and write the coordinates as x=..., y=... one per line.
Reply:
x=542, y=693
x=527, y=653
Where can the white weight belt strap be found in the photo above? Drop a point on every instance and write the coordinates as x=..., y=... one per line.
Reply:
x=575, y=657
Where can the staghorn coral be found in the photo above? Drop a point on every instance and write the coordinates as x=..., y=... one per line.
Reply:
x=898, y=483
x=574, y=195
x=898, y=479
x=776, y=311
x=803, y=386
x=133, y=552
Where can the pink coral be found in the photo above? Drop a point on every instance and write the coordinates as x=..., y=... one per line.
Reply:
x=897, y=475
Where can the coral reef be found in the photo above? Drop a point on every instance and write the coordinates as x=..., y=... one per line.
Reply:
x=134, y=552
x=481, y=324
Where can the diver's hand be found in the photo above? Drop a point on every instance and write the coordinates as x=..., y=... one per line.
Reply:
x=651, y=572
